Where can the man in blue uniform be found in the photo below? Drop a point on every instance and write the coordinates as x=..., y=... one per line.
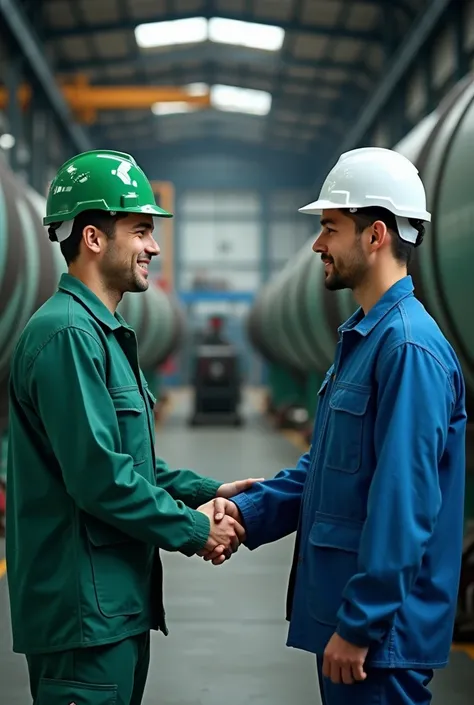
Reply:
x=377, y=502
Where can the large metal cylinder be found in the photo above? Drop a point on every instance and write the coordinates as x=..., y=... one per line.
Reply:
x=158, y=322
x=30, y=268
x=294, y=320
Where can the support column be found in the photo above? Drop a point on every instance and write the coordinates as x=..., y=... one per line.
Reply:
x=14, y=113
x=265, y=237
x=39, y=148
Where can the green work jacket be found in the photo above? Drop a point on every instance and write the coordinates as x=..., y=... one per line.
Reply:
x=89, y=504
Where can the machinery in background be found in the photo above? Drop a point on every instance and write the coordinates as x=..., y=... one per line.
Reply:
x=216, y=378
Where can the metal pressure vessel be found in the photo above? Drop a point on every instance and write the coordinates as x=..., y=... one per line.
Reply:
x=158, y=322
x=294, y=319
x=30, y=268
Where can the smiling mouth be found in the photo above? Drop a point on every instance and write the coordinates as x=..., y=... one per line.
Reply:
x=143, y=265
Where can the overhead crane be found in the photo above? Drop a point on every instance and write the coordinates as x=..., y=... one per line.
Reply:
x=85, y=100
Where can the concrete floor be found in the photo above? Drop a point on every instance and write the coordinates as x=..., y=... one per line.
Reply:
x=227, y=631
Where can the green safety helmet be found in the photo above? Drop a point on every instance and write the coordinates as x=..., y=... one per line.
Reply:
x=98, y=180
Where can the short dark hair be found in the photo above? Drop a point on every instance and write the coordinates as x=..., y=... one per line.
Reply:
x=401, y=249
x=102, y=220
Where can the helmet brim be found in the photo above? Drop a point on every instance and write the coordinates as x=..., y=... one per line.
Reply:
x=316, y=208
x=150, y=209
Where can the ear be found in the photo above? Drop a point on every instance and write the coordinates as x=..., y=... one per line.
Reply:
x=93, y=239
x=378, y=234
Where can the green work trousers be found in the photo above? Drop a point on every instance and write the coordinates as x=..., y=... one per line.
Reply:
x=114, y=674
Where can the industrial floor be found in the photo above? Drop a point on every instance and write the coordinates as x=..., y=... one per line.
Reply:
x=227, y=630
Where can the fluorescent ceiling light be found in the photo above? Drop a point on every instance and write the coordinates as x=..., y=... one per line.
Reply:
x=241, y=100
x=160, y=34
x=247, y=34
x=217, y=29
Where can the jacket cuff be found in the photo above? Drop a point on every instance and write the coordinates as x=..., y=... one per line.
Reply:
x=202, y=529
x=207, y=490
x=250, y=518
x=353, y=636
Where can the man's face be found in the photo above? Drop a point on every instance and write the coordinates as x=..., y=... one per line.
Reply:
x=341, y=248
x=124, y=264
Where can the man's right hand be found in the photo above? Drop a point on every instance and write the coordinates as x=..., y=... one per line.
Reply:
x=226, y=534
x=223, y=509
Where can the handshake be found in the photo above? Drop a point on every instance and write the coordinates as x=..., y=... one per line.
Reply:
x=227, y=532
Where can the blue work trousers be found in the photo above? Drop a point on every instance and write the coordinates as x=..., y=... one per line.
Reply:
x=383, y=686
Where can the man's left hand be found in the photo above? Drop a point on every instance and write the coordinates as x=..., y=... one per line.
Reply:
x=344, y=662
x=230, y=489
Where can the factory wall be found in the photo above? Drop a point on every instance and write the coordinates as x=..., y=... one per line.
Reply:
x=235, y=239
x=220, y=233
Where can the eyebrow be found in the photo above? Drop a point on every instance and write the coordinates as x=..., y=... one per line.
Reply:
x=327, y=221
x=143, y=225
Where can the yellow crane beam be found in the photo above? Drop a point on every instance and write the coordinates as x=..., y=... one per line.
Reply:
x=85, y=100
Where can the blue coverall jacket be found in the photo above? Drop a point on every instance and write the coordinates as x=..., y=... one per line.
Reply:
x=378, y=500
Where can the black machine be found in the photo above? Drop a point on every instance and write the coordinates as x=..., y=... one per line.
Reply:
x=216, y=379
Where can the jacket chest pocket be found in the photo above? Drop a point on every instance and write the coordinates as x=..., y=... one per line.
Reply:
x=132, y=420
x=347, y=416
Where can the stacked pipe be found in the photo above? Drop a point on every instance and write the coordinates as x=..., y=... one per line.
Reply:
x=30, y=268
x=294, y=321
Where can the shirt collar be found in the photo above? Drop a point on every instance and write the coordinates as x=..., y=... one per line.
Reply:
x=74, y=286
x=364, y=324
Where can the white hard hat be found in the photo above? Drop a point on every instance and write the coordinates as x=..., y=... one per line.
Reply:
x=373, y=176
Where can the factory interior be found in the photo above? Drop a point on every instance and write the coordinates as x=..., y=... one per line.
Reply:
x=236, y=110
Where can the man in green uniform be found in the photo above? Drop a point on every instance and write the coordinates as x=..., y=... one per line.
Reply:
x=89, y=504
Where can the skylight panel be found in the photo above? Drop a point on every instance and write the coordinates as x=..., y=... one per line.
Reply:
x=248, y=34
x=168, y=33
x=218, y=29
x=241, y=100
x=172, y=108
x=197, y=88
x=181, y=106
x=226, y=98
